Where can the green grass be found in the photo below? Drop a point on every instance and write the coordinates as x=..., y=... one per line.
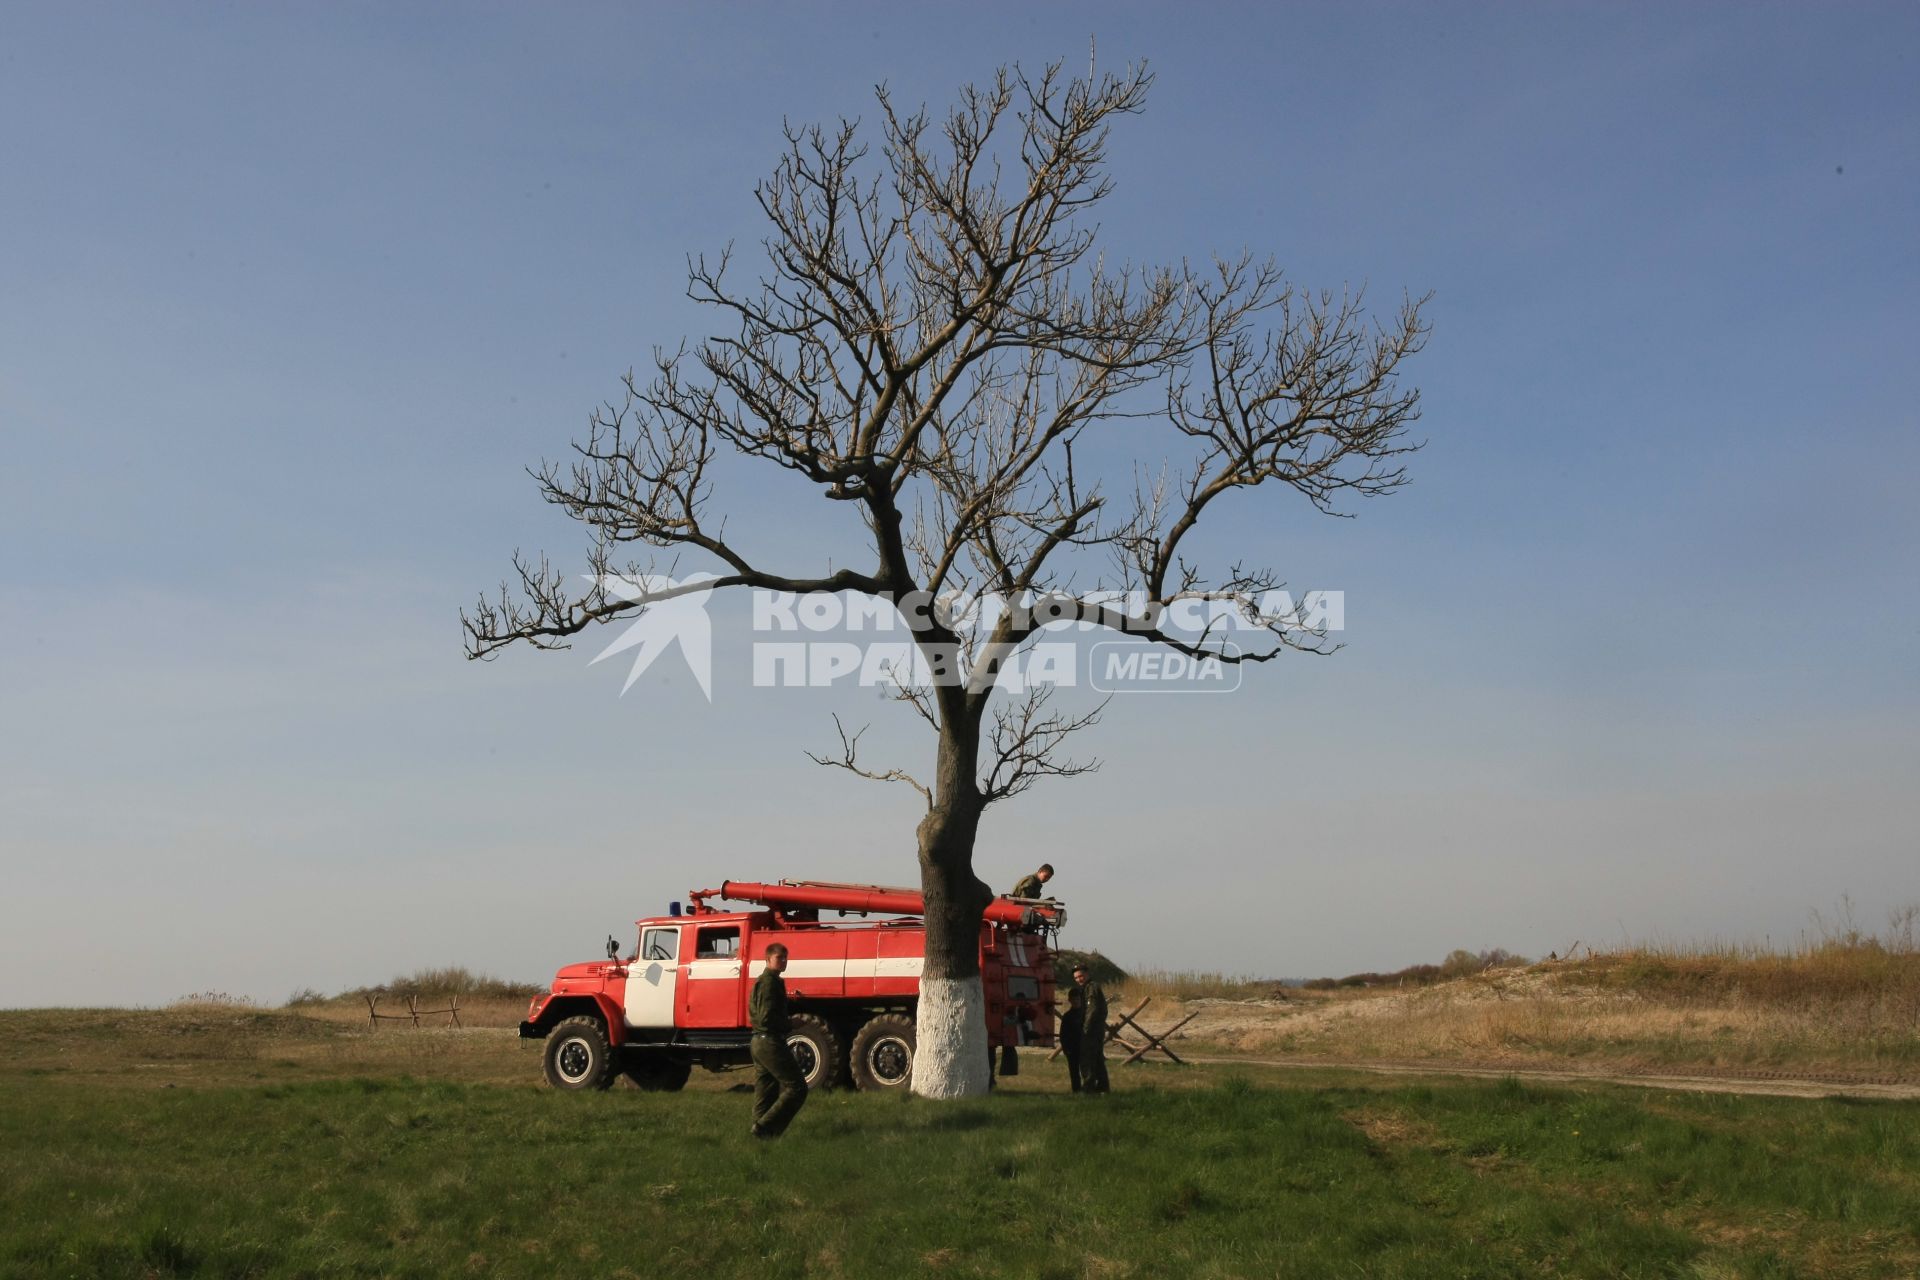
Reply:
x=1181, y=1173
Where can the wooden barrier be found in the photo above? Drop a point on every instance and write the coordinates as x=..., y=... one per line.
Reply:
x=1153, y=1041
x=413, y=1014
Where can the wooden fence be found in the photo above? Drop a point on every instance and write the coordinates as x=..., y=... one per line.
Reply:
x=414, y=1012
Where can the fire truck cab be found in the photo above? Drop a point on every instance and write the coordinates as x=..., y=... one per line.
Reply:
x=680, y=999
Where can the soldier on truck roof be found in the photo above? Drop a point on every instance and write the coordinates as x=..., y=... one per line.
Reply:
x=1029, y=886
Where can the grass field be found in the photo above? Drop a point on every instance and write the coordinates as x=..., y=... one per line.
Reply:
x=221, y=1142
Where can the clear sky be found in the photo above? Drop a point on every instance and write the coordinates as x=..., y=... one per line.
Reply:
x=289, y=296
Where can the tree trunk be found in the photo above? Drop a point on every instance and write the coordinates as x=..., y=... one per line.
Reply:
x=951, y=1058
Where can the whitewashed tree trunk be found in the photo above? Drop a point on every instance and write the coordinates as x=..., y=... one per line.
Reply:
x=950, y=1058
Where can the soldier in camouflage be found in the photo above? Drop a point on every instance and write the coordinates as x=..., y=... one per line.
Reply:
x=1093, y=1031
x=1070, y=1034
x=779, y=1088
x=1029, y=886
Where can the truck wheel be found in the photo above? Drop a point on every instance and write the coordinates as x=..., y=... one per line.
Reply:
x=816, y=1048
x=882, y=1056
x=578, y=1056
x=657, y=1072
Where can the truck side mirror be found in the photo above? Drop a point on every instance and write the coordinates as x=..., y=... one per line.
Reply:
x=613, y=948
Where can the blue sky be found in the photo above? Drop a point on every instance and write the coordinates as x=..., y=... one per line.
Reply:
x=289, y=297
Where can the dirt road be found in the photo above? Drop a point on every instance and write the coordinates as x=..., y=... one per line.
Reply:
x=1697, y=1080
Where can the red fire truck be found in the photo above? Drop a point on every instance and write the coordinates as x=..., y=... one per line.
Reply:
x=680, y=998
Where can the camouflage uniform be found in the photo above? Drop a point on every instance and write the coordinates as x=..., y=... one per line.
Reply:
x=779, y=1089
x=1093, y=1039
x=1070, y=1034
x=1030, y=887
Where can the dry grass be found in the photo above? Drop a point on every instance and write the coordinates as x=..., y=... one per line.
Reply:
x=1841, y=1001
x=484, y=1000
x=1878, y=979
x=1165, y=984
x=1540, y=1017
x=474, y=1013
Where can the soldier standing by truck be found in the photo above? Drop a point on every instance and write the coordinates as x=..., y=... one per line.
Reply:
x=1070, y=1034
x=1093, y=1031
x=779, y=1087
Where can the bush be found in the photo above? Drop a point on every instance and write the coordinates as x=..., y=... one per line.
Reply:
x=1104, y=971
x=214, y=1000
x=450, y=980
x=1460, y=963
x=1174, y=985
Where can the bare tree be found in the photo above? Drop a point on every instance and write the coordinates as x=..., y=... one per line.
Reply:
x=932, y=339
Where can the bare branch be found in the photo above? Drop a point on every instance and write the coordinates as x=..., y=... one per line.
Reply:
x=1026, y=741
x=848, y=759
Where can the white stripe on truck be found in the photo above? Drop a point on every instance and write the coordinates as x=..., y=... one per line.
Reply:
x=885, y=967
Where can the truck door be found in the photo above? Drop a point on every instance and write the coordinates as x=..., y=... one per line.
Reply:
x=711, y=993
x=653, y=978
x=896, y=969
x=863, y=949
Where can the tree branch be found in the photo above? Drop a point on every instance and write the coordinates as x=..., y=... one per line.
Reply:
x=848, y=759
x=1026, y=741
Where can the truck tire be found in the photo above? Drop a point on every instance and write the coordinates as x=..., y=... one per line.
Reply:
x=578, y=1055
x=816, y=1048
x=656, y=1072
x=882, y=1057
